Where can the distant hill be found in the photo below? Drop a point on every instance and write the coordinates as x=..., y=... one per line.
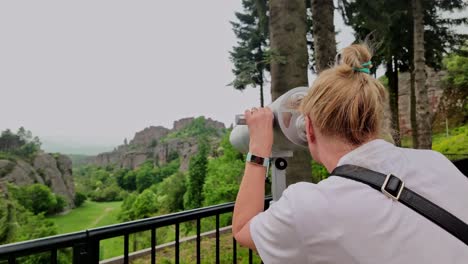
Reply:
x=160, y=144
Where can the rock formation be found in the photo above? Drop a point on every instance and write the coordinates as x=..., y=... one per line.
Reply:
x=53, y=170
x=156, y=143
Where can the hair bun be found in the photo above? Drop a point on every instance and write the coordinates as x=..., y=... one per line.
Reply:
x=356, y=56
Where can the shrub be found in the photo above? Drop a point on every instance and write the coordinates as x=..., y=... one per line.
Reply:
x=80, y=198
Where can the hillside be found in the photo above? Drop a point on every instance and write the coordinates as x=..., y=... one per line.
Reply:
x=22, y=162
x=160, y=144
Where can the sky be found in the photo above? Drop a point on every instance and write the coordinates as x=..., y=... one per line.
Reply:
x=84, y=75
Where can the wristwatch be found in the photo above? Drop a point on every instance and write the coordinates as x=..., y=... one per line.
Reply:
x=265, y=162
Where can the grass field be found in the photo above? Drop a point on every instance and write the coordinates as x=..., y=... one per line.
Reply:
x=90, y=215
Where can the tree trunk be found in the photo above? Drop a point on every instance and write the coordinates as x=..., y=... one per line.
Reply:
x=323, y=31
x=422, y=102
x=261, y=94
x=414, y=123
x=288, y=40
x=392, y=75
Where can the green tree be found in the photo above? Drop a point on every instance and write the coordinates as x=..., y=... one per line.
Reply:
x=456, y=65
x=38, y=199
x=170, y=193
x=167, y=170
x=145, y=176
x=250, y=54
x=223, y=175
x=10, y=141
x=80, y=198
x=392, y=24
x=127, y=212
x=145, y=204
x=126, y=179
x=193, y=197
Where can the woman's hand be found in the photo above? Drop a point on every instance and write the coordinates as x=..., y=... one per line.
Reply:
x=260, y=123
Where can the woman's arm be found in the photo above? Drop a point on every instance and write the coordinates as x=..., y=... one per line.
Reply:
x=250, y=199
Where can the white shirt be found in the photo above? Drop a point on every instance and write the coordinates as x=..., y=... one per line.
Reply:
x=344, y=221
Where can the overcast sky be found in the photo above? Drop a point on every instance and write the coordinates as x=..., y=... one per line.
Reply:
x=91, y=73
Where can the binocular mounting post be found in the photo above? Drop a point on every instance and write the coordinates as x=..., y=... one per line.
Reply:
x=278, y=172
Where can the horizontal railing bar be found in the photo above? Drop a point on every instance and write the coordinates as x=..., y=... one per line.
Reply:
x=31, y=247
x=42, y=244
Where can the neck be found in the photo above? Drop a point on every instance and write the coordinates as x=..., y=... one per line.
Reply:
x=332, y=149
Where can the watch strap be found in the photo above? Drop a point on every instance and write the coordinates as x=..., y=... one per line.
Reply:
x=258, y=160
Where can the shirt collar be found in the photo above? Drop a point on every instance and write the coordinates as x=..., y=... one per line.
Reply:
x=366, y=150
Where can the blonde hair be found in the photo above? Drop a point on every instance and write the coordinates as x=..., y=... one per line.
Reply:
x=347, y=103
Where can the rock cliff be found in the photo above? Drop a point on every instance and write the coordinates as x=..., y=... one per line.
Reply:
x=158, y=144
x=53, y=170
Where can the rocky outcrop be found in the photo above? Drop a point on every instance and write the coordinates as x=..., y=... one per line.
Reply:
x=133, y=159
x=53, y=170
x=21, y=173
x=184, y=148
x=155, y=143
x=149, y=136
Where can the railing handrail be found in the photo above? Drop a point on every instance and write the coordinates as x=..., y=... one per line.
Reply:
x=68, y=240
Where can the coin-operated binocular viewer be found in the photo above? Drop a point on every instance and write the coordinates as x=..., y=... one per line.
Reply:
x=289, y=134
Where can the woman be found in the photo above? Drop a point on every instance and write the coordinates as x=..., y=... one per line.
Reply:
x=340, y=220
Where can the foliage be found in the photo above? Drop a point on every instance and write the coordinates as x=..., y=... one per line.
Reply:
x=80, y=198
x=193, y=197
x=455, y=143
x=145, y=204
x=126, y=210
x=196, y=129
x=126, y=179
x=38, y=199
x=319, y=172
x=170, y=193
x=99, y=184
x=457, y=69
x=17, y=223
x=249, y=55
x=385, y=20
x=145, y=176
x=223, y=175
x=167, y=170
x=21, y=144
x=107, y=194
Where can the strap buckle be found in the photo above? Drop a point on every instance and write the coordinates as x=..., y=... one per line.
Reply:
x=396, y=187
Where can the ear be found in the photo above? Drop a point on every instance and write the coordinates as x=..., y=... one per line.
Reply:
x=310, y=130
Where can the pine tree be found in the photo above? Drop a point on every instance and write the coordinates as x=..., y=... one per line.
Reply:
x=391, y=23
x=250, y=54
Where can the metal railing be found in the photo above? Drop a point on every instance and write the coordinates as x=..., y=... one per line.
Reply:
x=86, y=244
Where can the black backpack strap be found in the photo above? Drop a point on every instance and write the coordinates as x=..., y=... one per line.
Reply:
x=394, y=188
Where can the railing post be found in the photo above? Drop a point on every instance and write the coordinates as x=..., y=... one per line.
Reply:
x=86, y=252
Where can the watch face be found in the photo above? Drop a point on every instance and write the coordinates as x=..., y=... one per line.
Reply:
x=256, y=159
